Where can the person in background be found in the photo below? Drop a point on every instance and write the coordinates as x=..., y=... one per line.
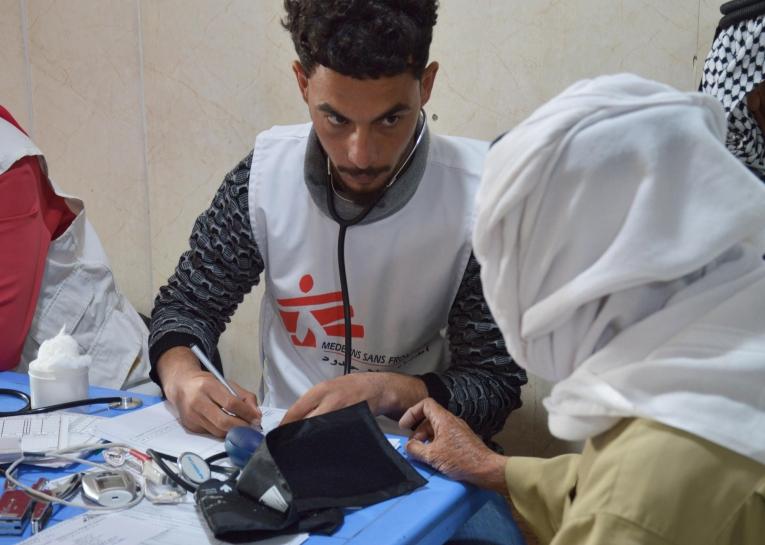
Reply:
x=620, y=245
x=734, y=73
x=54, y=273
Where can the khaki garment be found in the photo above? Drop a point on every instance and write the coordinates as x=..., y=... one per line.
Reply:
x=645, y=483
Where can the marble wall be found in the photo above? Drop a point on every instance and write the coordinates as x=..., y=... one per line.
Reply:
x=142, y=106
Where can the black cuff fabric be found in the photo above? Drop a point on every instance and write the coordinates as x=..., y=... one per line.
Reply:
x=436, y=389
x=171, y=340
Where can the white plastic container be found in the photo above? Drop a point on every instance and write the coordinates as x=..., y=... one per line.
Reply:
x=50, y=387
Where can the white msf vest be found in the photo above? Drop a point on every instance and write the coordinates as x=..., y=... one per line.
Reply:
x=78, y=292
x=403, y=271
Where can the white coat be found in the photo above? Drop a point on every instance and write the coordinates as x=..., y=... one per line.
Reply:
x=78, y=292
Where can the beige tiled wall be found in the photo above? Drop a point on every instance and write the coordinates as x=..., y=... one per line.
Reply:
x=143, y=106
x=13, y=78
x=85, y=95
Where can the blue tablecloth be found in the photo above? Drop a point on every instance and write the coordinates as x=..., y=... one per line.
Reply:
x=429, y=515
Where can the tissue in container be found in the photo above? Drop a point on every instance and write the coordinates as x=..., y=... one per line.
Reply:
x=60, y=373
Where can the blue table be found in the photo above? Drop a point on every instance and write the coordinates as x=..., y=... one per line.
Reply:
x=429, y=515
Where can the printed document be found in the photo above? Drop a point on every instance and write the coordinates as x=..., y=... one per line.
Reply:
x=158, y=427
x=144, y=524
x=44, y=432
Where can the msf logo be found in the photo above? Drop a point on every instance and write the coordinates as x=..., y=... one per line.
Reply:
x=325, y=308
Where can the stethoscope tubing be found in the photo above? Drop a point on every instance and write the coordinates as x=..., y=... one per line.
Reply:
x=159, y=459
x=344, y=224
x=28, y=410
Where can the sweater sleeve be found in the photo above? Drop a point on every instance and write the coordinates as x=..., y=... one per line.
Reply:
x=220, y=267
x=483, y=383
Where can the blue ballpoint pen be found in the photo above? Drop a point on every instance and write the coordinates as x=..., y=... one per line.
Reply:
x=210, y=367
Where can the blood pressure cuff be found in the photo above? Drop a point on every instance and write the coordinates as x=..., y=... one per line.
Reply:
x=303, y=473
x=237, y=518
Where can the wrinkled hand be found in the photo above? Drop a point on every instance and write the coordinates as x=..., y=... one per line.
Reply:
x=201, y=399
x=454, y=449
x=388, y=394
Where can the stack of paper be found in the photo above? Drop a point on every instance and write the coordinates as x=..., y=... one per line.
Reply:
x=144, y=524
x=158, y=427
x=45, y=432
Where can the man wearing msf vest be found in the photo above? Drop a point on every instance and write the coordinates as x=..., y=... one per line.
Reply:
x=360, y=224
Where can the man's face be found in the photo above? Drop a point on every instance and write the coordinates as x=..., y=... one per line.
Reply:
x=756, y=103
x=365, y=126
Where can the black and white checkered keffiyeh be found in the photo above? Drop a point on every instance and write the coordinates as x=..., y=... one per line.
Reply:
x=733, y=68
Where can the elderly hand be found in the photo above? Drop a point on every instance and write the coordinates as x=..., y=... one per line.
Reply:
x=388, y=394
x=454, y=449
x=200, y=399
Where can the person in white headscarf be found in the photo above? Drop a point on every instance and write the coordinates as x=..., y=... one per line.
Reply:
x=621, y=248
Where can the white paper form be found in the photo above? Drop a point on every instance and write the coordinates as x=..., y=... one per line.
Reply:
x=45, y=432
x=32, y=433
x=145, y=524
x=158, y=427
x=95, y=530
x=184, y=525
x=83, y=428
x=84, y=424
x=271, y=418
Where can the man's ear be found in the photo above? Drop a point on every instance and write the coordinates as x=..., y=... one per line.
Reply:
x=427, y=80
x=302, y=79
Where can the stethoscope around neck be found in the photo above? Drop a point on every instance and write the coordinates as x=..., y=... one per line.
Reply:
x=344, y=223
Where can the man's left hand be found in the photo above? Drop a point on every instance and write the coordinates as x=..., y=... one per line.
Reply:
x=389, y=394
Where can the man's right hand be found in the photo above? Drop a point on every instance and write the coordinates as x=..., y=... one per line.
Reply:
x=200, y=398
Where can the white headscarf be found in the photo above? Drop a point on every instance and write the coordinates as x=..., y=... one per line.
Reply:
x=621, y=248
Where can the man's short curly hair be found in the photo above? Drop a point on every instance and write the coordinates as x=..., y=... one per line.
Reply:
x=362, y=38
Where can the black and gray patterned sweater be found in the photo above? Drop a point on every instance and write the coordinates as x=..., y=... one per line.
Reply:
x=482, y=385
